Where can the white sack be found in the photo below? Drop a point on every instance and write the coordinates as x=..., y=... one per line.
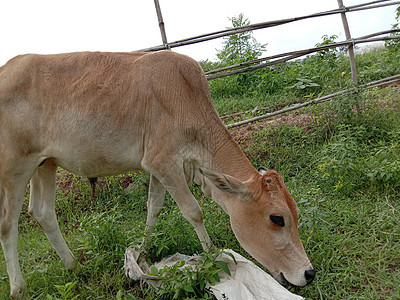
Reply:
x=247, y=281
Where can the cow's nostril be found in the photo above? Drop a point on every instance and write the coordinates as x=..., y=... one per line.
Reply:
x=309, y=274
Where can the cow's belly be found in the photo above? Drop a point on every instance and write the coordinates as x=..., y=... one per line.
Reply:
x=98, y=162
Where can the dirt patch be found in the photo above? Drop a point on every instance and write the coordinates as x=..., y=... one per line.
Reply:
x=69, y=183
x=244, y=133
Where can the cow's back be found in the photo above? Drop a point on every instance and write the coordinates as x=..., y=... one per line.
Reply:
x=111, y=82
x=97, y=113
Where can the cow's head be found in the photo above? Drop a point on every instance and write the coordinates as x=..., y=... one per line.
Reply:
x=264, y=219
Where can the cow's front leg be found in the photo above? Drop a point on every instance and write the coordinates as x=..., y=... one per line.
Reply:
x=177, y=186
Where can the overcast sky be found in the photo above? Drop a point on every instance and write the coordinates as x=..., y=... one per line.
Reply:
x=55, y=26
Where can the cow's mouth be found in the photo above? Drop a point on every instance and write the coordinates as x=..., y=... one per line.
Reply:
x=309, y=276
x=285, y=282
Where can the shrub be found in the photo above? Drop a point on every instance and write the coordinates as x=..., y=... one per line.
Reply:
x=186, y=282
x=364, y=152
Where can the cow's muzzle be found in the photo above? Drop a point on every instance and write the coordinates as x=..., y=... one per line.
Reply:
x=308, y=274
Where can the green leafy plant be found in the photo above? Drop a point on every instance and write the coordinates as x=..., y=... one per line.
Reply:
x=123, y=295
x=339, y=162
x=363, y=153
x=184, y=282
x=303, y=83
x=384, y=165
x=102, y=242
x=328, y=55
x=65, y=292
x=394, y=45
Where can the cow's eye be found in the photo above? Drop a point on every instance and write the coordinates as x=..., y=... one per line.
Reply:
x=278, y=220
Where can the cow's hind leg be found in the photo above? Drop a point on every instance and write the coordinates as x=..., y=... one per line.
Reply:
x=42, y=208
x=11, y=199
x=154, y=205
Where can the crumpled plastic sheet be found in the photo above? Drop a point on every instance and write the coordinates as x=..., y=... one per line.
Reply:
x=246, y=282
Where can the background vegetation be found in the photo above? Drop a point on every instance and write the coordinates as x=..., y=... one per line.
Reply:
x=342, y=168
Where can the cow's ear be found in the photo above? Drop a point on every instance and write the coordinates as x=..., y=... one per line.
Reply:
x=226, y=182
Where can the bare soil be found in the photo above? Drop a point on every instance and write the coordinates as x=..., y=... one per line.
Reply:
x=244, y=133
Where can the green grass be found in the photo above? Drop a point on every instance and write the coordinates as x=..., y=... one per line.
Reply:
x=343, y=171
x=353, y=242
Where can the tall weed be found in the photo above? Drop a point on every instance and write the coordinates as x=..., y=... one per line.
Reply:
x=364, y=152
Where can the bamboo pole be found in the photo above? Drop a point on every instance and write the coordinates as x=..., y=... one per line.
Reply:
x=378, y=33
x=224, y=72
x=388, y=80
x=370, y=6
x=350, y=46
x=377, y=83
x=251, y=27
x=161, y=24
x=363, y=39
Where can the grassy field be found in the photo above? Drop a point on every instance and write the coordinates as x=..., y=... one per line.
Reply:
x=342, y=169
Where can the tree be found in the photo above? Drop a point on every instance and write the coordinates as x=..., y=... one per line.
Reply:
x=240, y=47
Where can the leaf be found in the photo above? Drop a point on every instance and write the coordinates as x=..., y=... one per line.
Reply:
x=154, y=270
x=212, y=280
x=231, y=255
x=216, y=278
x=180, y=264
x=161, y=248
x=202, y=284
x=223, y=266
x=188, y=288
x=70, y=285
x=208, y=265
x=120, y=294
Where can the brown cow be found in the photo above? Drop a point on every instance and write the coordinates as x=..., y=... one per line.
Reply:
x=100, y=114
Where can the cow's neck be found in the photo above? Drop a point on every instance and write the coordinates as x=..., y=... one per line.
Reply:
x=222, y=154
x=228, y=158
x=217, y=150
